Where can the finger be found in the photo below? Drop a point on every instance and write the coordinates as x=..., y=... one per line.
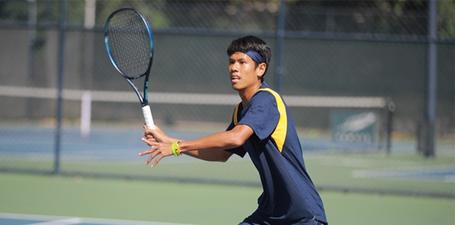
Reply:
x=147, y=152
x=151, y=137
x=147, y=130
x=146, y=127
x=156, y=160
x=152, y=157
x=150, y=142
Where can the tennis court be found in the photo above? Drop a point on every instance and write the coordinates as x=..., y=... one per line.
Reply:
x=102, y=177
x=112, y=153
x=368, y=84
x=204, y=204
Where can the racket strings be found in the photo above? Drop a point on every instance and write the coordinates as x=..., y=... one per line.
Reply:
x=130, y=43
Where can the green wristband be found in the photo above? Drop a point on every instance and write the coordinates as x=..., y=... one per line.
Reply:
x=175, y=148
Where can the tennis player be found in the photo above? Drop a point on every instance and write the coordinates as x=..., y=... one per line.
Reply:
x=262, y=127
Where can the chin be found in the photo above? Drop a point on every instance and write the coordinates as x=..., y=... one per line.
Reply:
x=236, y=87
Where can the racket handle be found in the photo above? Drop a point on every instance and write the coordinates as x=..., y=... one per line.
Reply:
x=148, y=117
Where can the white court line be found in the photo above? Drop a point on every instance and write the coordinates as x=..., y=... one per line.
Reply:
x=419, y=173
x=69, y=221
x=52, y=220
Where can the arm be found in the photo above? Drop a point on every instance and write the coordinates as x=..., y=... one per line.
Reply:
x=210, y=155
x=210, y=147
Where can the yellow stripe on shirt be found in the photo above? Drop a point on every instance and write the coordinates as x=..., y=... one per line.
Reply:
x=279, y=134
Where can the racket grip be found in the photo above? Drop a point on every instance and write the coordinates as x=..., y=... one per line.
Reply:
x=148, y=117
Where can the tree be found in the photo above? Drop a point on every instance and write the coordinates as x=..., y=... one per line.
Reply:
x=446, y=11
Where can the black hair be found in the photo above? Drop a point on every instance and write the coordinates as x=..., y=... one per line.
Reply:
x=247, y=43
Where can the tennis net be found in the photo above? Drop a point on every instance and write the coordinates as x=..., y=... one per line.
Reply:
x=346, y=122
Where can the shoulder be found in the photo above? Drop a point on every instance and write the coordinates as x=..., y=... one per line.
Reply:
x=266, y=95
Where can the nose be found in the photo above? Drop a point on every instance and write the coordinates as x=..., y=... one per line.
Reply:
x=233, y=67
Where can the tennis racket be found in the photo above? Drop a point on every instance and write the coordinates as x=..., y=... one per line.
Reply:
x=128, y=38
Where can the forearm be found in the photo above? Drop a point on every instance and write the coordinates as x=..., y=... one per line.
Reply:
x=218, y=141
x=212, y=147
x=210, y=155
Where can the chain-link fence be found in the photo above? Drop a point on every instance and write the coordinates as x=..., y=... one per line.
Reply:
x=330, y=48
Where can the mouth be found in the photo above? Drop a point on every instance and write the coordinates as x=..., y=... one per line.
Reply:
x=234, y=78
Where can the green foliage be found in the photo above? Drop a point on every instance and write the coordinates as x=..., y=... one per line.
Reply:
x=150, y=9
x=375, y=16
x=446, y=10
x=13, y=10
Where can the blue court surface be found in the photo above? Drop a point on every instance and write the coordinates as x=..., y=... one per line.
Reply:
x=107, y=144
x=23, y=219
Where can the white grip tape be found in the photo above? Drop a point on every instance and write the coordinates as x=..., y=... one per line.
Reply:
x=148, y=116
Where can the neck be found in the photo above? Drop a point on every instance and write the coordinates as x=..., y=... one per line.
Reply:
x=247, y=93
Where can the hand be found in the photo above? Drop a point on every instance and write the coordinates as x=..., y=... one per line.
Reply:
x=157, y=135
x=160, y=145
x=157, y=151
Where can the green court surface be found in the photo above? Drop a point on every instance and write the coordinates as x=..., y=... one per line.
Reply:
x=376, y=172
x=357, y=188
x=208, y=204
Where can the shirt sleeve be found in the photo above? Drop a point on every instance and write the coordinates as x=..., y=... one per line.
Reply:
x=262, y=115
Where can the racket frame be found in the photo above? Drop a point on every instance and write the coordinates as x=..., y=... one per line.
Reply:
x=143, y=99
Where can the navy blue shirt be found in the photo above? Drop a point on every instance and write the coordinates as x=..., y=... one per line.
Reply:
x=289, y=196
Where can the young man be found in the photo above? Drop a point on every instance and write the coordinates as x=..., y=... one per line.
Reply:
x=262, y=127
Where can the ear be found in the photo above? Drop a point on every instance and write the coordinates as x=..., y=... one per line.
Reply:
x=260, y=70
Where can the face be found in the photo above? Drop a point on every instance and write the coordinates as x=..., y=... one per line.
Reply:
x=244, y=72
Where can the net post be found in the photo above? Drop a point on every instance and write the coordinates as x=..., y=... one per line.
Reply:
x=390, y=110
x=86, y=113
x=89, y=14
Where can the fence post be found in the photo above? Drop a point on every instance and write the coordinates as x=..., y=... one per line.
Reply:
x=279, y=49
x=32, y=35
x=59, y=110
x=431, y=100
